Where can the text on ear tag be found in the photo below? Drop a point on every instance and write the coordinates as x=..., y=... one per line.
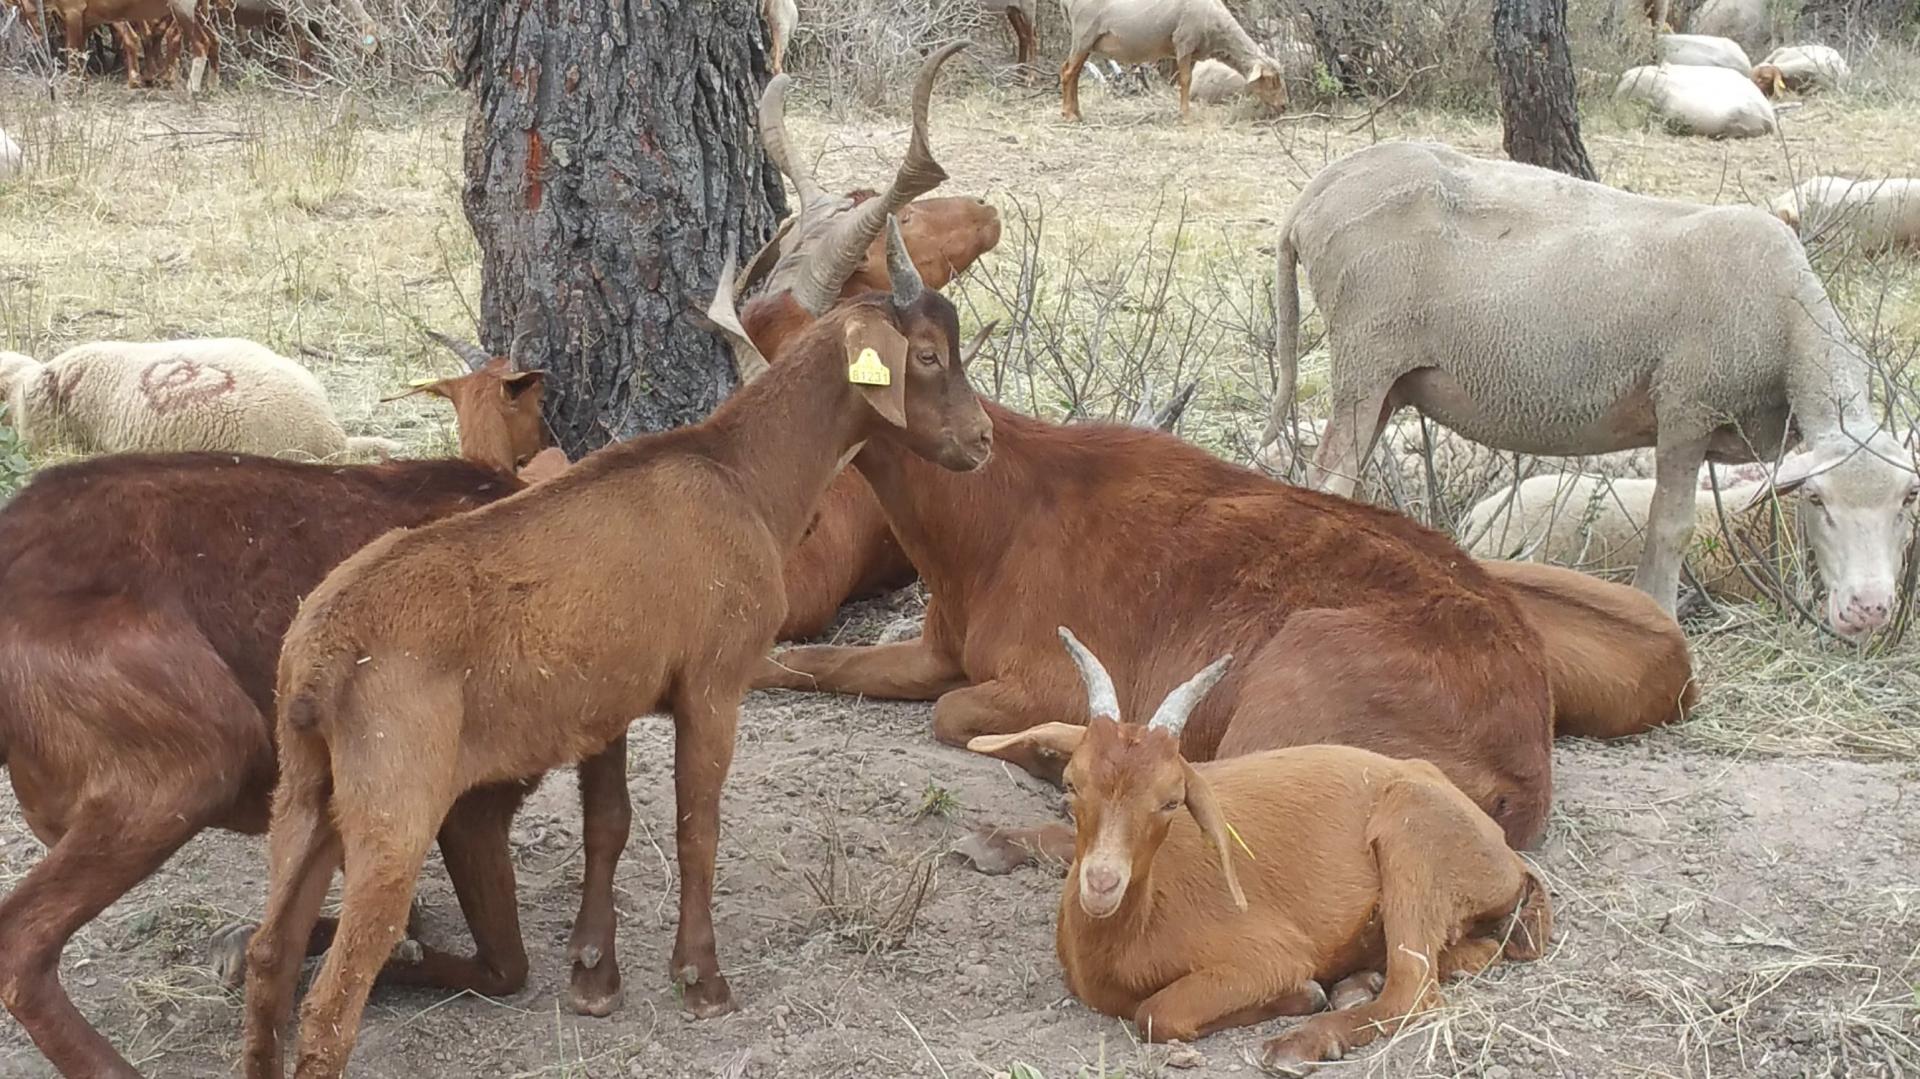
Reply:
x=867, y=370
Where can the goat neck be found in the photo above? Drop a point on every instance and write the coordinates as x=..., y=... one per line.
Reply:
x=952, y=524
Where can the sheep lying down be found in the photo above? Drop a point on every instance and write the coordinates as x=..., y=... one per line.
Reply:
x=1806, y=68
x=1217, y=895
x=218, y=394
x=1701, y=50
x=1717, y=102
x=1867, y=215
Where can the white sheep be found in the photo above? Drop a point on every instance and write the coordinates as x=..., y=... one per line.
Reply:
x=1805, y=68
x=1867, y=215
x=1214, y=83
x=1857, y=534
x=1540, y=313
x=1184, y=31
x=1744, y=21
x=12, y=160
x=223, y=394
x=1701, y=50
x=1714, y=101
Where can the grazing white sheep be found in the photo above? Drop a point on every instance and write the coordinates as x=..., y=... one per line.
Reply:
x=215, y=394
x=1855, y=531
x=1867, y=215
x=1184, y=31
x=1701, y=50
x=1745, y=21
x=12, y=160
x=1714, y=101
x=1536, y=312
x=1806, y=68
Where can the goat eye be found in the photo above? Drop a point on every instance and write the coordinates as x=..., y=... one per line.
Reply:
x=1172, y=806
x=929, y=359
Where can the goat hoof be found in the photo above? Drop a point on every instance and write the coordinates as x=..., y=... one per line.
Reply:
x=1285, y=1061
x=227, y=953
x=597, y=1005
x=408, y=951
x=991, y=854
x=703, y=998
x=1356, y=989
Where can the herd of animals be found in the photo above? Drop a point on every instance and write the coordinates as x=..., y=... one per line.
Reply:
x=360, y=660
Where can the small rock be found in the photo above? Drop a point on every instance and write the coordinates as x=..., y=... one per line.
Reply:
x=1185, y=1056
x=978, y=972
x=1499, y=1071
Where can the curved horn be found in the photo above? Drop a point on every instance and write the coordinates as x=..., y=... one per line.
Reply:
x=980, y=341
x=907, y=285
x=1173, y=712
x=748, y=363
x=1101, y=699
x=845, y=245
x=470, y=354
x=513, y=350
x=773, y=136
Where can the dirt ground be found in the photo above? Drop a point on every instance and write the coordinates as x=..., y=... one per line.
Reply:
x=1733, y=898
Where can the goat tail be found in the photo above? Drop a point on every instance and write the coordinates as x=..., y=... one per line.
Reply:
x=1286, y=335
x=314, y=693
x=1532, y=920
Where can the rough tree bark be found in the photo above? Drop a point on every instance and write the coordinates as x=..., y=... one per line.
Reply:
x=610, y=161
x=1537, y=105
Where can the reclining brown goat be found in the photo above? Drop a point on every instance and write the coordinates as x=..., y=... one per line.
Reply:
x=142, y=602
x=1338, y=863
x=1358, y=626
x=462, y=653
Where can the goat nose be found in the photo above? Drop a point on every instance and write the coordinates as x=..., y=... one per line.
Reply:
x=1102, y=879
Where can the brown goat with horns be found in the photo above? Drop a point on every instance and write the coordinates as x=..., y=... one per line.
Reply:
x=1358, y=863
x=463, y=653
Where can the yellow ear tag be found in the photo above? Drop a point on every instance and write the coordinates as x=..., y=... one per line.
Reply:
x=867, y=370
x=1236, y=838
x=419, y=382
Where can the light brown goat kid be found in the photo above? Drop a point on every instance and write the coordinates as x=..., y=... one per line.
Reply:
x=473, y=650
x=1353, y=863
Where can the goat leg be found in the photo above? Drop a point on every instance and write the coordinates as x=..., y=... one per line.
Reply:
x=995, y=851
x=915, y=670
x=108, y=849
x=1209, y=1000
x=606, y=816
x=705, y=718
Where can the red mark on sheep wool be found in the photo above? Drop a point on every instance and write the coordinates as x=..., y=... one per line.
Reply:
x=536, y=161
x=171, y=385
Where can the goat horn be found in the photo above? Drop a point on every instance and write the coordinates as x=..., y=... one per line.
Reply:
x=773, y=136
x=980, y=341
x=1174, y=409
x=1101, y=699
x=470, y=354
x=845, y=245
x=1173, y=712
x=748, y=363
x=513, y=350
x=907, y=285
x=763, y=260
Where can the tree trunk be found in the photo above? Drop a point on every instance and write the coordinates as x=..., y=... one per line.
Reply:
x=611, y=160
x=1537, y=104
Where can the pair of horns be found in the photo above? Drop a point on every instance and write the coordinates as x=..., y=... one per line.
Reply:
x=477, y=358
x=1172, y=714
x=827, y=264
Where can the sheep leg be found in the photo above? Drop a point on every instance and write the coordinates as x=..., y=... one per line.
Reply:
x=1070, y=83
x=1669, y=520
x=1025, y=51
x=108, y=849
x=1348, y=440
x=303, y=850
x=705, y=718
x=1183, y=75
x=915, y=670
x=607, y=817
x=1209, y=1000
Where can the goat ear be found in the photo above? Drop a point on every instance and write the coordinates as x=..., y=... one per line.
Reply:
x=1205, y=807
x=1062, y=738
x=545, y=465
x=438, y=387
x=518, y=383
x=877, y=363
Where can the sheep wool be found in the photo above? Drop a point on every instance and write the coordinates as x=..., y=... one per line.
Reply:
x=225, y=394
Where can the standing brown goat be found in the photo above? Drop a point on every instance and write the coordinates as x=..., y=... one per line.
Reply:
x=1350, y=863
x=142, y=602
x=465, y=652
x=1358, y=626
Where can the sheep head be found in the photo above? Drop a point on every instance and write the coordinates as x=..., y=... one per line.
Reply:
x=1125, y=782
x=496, y=407
x=16, y=371
x=1265, y=82
x=1857, y=501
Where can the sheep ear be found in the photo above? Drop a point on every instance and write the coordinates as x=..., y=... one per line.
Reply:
x=1793, y=472
x=1062, y=738
x=1205, y=807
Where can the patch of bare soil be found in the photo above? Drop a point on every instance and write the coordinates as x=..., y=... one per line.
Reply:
x=1715, y=916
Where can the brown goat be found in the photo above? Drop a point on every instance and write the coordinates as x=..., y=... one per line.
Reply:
x=833, y=248
x=79, y=17
x=1354, y=863
x=142, y=602
x=465, y=653
x=1359, y=627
